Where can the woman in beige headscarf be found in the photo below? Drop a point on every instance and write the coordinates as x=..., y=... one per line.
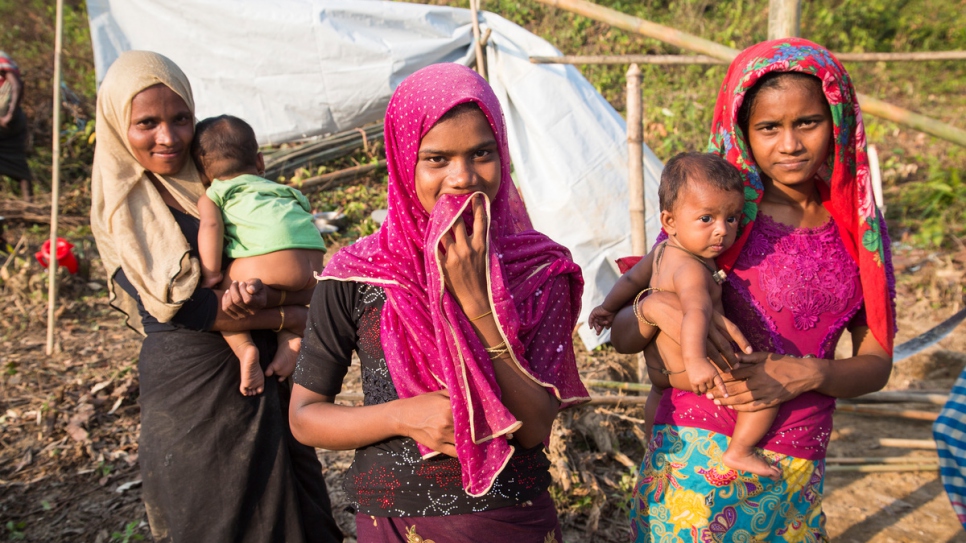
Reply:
x=216, y=466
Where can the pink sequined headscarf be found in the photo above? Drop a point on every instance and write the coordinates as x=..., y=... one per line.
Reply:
x=429, y=343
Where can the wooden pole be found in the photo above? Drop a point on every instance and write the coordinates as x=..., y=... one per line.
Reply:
x=693, y=43
x=887, y=412
x=478, y=37
x=784, y=18
x=882, y=460
x=704, y=59
x=635, y=160
x=54, y=184
x=884, y=467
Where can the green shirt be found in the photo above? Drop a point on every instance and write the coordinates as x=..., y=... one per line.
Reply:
x=263, y=217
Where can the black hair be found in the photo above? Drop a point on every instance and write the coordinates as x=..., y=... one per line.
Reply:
x=459, y=110
x=227, y=140
x=694, y=167
x=774, y=80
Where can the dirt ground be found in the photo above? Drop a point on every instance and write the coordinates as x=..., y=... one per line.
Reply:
x=69, y=424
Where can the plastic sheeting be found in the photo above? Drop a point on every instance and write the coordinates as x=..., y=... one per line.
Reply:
x=299, y=68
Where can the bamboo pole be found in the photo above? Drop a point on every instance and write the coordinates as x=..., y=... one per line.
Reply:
x=477, y=37
x=884, y=467
x=54, y=183
x=704, y=59
x=693, y=43
x=882, y=460
x=635, y=160
x=594, y=400
x=901, y=396
x=888, y=412
x=907, y=443
x=322, y=181
x=784, y=18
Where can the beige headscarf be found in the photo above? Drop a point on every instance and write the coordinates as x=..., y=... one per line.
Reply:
x=134, y=228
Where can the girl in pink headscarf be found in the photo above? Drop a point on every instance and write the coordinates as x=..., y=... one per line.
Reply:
x=461, y=315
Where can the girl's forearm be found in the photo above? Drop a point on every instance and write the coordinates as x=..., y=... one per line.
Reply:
x=263, y=319
x=323, y=424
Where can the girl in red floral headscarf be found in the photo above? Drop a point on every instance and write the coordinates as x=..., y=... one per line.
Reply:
x=812, y=260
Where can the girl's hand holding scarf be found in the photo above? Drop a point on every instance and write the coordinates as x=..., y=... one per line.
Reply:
x=464, y=263
x=428, y=419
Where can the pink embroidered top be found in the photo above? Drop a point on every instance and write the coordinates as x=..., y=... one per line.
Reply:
x=792, y=291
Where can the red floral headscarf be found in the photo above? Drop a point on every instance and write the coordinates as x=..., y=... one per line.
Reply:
x=846, y=182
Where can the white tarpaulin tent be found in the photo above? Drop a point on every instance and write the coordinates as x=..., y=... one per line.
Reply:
x=297, y=68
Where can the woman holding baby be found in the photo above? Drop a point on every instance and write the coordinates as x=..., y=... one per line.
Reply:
x=216, y=465
x=811, y=260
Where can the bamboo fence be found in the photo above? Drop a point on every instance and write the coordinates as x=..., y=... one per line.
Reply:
x=690, y=42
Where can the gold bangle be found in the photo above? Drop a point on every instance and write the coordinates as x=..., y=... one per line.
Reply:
x=281, y=311
x=637, y=311
x=281, y=300
x=481, y=316
x=497, y=351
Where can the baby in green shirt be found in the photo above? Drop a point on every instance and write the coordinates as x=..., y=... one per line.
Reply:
x=266, y=228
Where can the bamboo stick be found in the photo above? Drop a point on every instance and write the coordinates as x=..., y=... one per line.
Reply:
x=620, y=385
x=886, y=396
x=884, y=467
x=784, y=18
x=322, y=182
x=55, y=182
x=899, y=413
x=907, y=443
x=594, y=400
x=882, y=460
x=901, y=396
x=690, y=42
x=477, y=38
x=704, y=59
x=627, y=59
x=635, y=160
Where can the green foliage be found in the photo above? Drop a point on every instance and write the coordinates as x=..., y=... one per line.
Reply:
x=16, y=531
x=935, y=209
x=129, y=534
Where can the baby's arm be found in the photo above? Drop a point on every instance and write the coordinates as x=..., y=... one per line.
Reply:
x=624, y=290
x=693, y=285
x=211, y=239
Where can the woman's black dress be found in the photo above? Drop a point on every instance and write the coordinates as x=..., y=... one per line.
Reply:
x=216, y=465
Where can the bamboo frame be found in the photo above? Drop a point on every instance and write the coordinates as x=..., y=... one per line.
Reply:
x=477, y=38
x=704, y=59
x=882, y=460
x=55, y=184
x=888, y=412
x=875, y=468
x=784, y=18
x=907, y=443
x=635, y=160
x=869, y=105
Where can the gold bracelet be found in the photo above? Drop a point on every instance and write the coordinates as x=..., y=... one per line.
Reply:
x=281, y=300
x=497, y=351
x=637, y=311
x=481, y=316
x=281, y=311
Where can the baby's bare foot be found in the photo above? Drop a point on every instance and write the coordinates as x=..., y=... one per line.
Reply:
x=748, y=460
x=252, y=378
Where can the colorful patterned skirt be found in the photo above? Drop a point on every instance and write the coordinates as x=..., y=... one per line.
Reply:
x=685, y=493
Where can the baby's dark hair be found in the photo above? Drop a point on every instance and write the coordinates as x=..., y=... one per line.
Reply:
x=226, y=141
x=694, y=167
x=774, y=80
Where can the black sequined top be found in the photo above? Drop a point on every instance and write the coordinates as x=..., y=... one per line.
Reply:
x=389, y=478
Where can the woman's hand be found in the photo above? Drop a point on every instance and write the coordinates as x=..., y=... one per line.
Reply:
x=428, y=419
x=244, y=298
x=464, y=263
x=764, y=380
